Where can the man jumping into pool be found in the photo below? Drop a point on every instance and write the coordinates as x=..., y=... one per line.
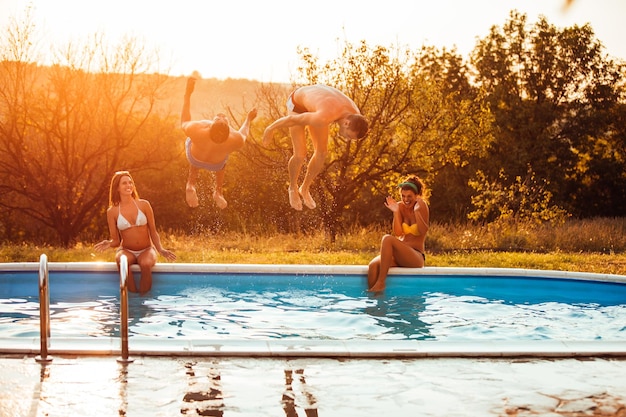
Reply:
x=208, y=145
x=315, y=106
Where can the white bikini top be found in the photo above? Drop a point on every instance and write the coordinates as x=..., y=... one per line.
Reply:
x=123, y=224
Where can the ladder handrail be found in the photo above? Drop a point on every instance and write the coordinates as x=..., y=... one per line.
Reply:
x=124, y=310
x=44, y=309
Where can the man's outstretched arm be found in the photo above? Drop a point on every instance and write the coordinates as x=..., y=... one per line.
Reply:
x=302, y=119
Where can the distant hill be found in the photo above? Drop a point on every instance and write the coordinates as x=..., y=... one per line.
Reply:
x=211, y=96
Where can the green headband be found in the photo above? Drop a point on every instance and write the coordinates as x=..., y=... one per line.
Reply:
x=408, y=184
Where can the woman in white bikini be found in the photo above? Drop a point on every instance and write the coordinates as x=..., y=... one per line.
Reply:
x=406, y=246
x=133, y=231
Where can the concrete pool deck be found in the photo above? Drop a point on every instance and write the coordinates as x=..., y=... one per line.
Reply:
x=191, y=386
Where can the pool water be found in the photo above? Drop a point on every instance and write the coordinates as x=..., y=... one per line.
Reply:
x=265, y=306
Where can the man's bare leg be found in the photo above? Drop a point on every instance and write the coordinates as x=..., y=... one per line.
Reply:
x=295, y=165
x=218, y=197
x=190, y=189
x=316, y=164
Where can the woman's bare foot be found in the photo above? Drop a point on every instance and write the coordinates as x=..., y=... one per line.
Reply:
x=376, y=288
x=191, y=196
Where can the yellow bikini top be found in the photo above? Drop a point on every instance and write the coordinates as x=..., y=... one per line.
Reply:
x=410, y=228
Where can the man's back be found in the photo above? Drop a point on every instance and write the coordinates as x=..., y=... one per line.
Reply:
x=330, y=103
x=205, y=149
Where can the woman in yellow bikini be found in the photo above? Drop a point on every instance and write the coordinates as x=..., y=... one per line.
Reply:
x=410, y=225
x=133, y=231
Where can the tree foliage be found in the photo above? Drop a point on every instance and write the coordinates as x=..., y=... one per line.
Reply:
x=553, y=94
x=526, y=200
x=65, y=129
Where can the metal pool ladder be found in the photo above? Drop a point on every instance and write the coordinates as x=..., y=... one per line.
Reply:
x=44, y=310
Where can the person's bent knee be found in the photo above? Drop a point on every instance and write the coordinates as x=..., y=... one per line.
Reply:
x=320, y=154
x=146, y=266
x=374, y=262
x=386, y=239
x=147, y=260
x=146, y=263
x=129, y=258
x=298, y=158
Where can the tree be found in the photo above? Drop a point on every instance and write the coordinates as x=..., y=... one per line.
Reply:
x=414, y=128
x=465, y=129
x=65, y=129
x=551, y=91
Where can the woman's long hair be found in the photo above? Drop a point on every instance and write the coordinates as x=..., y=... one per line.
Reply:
x=114, y=191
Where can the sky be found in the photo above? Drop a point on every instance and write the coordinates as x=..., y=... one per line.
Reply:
x=259, y=39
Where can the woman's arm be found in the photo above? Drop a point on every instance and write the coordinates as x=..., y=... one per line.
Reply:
x=115, y=240
x=154, y=235
x=396, y=226
x=422, y=216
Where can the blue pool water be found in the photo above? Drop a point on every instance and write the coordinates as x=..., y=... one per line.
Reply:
x=261, y=306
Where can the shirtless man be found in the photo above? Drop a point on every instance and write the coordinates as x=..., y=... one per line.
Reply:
x=315, y=106
x=208, y=145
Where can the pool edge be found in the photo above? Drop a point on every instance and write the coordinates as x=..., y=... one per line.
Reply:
x=313, y=348
x=320, y=269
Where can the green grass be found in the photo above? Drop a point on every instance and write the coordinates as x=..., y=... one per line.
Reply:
x=588, y=246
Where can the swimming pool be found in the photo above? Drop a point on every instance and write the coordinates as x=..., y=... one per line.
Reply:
x=319, y=310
